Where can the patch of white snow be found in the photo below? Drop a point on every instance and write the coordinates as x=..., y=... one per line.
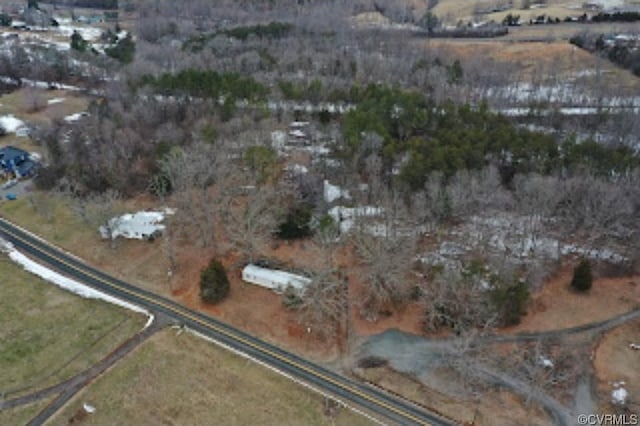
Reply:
x=10, y=123
x=56, y=101
x=619, y=395
x=65, y=282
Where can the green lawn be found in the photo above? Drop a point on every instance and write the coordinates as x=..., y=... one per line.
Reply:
x=48, y=334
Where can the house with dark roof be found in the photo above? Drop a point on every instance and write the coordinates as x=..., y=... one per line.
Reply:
x=15, y=162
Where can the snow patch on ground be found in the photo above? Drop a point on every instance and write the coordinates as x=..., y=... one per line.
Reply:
x=608, y=4
x=56, y=101
x=546, y=362
x=87, y=33
x=297, y=169
x=10, y=123
x=334, y=192
x=65, y=282
x=75, y=117
x=521, y=238
x=619, y=394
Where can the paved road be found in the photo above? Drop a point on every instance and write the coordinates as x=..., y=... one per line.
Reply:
x=393, y=409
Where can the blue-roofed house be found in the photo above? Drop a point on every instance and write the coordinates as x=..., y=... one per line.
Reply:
x=16, y=162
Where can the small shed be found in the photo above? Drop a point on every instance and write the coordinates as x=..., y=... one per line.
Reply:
x=140, y=226
x=275, y=280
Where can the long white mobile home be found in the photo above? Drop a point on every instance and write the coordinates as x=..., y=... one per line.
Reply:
x=275, y=280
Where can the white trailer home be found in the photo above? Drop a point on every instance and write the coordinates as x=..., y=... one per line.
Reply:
x=275, y=280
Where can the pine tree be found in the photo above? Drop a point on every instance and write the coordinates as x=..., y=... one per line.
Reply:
x=214, y=283
x=582, y=276
x=78, y=42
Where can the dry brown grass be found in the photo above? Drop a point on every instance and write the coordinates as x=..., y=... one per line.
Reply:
x=557, y=306
x=14, y=103
x=141, y=262
x=17, y=103
x=491, y=408
x=181, y=379
x=538, y=61
x=615, y=361
x=454, y=10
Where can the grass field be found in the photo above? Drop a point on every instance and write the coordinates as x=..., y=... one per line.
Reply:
x=17, y=104
x=454, y=10
x=541, y=61
x=21, y=415
x=49, y=335
x=182, y=379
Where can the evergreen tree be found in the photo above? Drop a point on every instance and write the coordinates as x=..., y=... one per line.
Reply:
x=214, y=283
x=5, y=20
x=123, y=51
x=582, y=276
x=296, y=224
x=78, y=42
x=511, y=302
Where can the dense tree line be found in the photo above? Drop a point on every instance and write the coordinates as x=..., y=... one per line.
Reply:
x=95, y=4
x=272, y=30
x=450, y=137
x=209, y=84
x=621, y=52
x=616, y=17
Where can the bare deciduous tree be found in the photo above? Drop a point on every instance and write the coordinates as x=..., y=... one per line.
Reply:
x=324, y=304
x=450, y=301
x=250, y=221
x=192, y=172
x=387, y=261
x=99, y=211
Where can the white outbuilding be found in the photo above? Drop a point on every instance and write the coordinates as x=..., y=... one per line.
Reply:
x=143, y=225
x=275, y=280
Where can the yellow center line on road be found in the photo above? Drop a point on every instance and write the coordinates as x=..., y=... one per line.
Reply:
x=180, y=311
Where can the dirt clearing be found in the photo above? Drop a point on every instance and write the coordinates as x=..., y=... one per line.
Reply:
x=557, y=306
x=617, y=361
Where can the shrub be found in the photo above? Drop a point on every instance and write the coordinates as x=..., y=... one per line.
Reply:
x=372, y=362
x=291, y=298
x=123, y=51
x=78, y=42
x=5, y=20
x=214, y=284
x=582, y=276
x=296, y=224
x=511, y=302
